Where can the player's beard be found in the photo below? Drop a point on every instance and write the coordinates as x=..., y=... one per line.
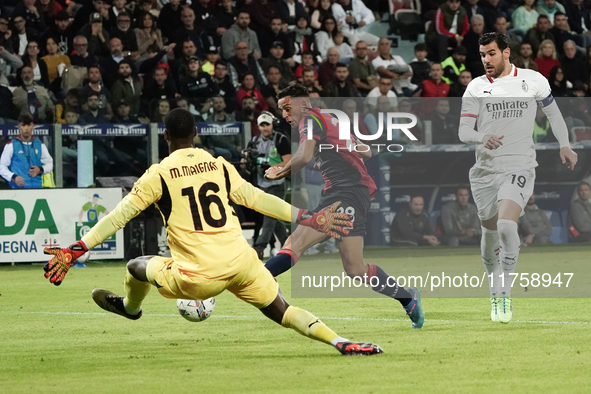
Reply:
x=497, y=69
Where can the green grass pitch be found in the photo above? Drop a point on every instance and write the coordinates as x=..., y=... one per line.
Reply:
x=56, y=340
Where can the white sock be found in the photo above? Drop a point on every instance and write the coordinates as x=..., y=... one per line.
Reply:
x=489, y=247
x=129, y=310
x=338, y=340
x=510, y=244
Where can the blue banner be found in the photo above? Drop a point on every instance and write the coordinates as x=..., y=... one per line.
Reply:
x=212, y=128
x=113, y=130
x=121, y=130
x=12, y=130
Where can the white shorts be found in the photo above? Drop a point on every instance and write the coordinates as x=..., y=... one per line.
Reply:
x=489, y=188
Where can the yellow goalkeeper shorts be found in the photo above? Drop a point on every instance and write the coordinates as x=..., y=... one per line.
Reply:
x=250, y=281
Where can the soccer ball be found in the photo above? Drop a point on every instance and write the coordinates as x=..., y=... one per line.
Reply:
x=195, y=310
x=83, y=259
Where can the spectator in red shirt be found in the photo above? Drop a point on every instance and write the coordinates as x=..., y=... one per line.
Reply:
x=307, y=61
x=434, y=87
x=248, y=88
x=546, y=59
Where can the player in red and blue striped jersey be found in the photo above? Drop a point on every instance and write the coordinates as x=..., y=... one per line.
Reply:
x=346, y=181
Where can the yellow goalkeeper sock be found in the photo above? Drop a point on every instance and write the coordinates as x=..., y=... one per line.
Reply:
x=307, y=324
x=135, y=292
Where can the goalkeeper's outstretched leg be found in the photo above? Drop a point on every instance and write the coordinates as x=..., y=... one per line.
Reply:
x=136, y=286
x=309, y=325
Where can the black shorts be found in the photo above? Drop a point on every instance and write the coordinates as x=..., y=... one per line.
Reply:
x=355, y=202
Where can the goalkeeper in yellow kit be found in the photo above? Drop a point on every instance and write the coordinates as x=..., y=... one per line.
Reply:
x=192, y=190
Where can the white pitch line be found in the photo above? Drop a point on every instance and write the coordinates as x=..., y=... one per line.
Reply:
x=321, y=317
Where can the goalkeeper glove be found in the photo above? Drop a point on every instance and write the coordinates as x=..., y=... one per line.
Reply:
x=327, y=220
x=57, y=268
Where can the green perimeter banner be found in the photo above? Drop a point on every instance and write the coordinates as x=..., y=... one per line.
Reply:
x=31, y=220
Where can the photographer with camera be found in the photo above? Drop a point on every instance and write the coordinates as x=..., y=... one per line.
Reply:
x=270, y=148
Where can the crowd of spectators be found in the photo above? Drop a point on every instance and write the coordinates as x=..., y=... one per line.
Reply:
x=119, y=54
x=544, y=35
x=134, y=61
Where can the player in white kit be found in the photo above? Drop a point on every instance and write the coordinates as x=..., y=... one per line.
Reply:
x=502, y=105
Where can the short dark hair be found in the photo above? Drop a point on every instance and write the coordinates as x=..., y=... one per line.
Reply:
x=179, y=123
x=75, y=92
x=95, y=66
x=153, y=48
x=270, y=67
x=123, y=14
x=25, y=119
x=126, y=61
x=339, y=65
x=160, y=68
x=500, y=39
x=543, y=17
x=308, y=69
x=462, y=187
x=558, y=13
x=296, y=90
x=92, y=94
x=421, y=46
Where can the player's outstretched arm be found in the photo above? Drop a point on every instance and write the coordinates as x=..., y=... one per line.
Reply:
x=468, y=135
x=492, y=141
x=63, y=258
x=299, y=160
x=274, y=173
x=57, y=268
x=567, y=155
x=327, y=220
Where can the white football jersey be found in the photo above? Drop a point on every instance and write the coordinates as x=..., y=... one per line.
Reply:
x=507, y=106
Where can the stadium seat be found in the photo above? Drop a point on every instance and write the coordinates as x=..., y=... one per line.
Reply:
x=581, y=133
x=433, y=217
x=558, y=235
x=554, y=217
x=398, y=5
x=564, y=218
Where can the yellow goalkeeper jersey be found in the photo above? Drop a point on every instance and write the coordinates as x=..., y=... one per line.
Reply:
x=192, y=190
